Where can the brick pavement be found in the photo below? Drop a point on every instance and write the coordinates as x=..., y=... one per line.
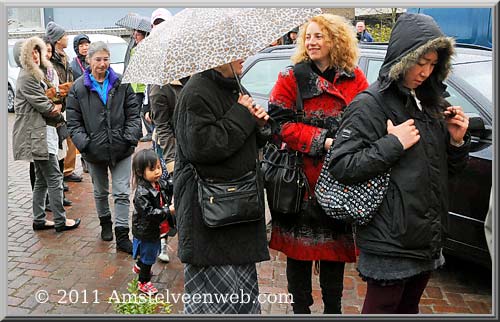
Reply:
x=78, y=260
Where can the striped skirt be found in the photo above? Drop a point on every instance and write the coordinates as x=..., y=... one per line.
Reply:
x=228, y=289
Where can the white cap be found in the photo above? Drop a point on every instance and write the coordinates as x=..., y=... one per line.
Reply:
x=161, y=13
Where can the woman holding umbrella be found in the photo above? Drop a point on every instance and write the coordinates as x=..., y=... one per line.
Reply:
x=218, y=131
x=327, y=77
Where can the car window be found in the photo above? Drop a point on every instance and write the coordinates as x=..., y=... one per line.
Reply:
x=262, y=76
x=477, y=74
x=457, y=99
x=12, y=62
x=373, y=70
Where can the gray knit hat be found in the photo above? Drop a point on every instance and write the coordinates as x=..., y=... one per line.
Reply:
x=54, y=32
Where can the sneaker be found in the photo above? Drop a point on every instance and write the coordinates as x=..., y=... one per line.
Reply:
x=164, y=252
x=147, y=288
x=136, y=269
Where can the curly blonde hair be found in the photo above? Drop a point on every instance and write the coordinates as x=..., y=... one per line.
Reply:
x=340, y=36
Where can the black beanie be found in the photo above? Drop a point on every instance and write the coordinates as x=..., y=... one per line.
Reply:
x=54, y=32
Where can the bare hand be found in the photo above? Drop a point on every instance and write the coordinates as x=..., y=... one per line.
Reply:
x=328, y=143
x=147, y=117
x=260, y=115
x=171, y=209
x=406, y=132
x=247, y=101
x=457, y=122
x=56, y=110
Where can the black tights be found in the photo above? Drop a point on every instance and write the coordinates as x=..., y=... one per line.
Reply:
x=145, y=273
x=331, y=279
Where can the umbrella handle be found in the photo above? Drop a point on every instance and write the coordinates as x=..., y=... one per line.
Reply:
x=242, y=90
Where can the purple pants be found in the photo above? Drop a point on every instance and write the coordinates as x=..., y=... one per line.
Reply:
x=400, y=298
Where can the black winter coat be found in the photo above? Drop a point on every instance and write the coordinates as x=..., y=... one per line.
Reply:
x=103, y=133
x=148, y=214
x=218, y=137
x=412, y=217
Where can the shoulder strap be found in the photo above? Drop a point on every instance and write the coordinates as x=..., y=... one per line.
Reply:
x=299, y=104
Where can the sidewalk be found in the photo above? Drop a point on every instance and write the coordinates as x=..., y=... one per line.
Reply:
x=77, y=266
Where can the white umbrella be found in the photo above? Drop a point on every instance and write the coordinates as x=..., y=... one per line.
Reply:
x=197, y=39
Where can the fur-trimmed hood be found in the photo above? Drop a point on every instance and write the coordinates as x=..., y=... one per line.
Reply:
x=26, y=58
x=412, y=36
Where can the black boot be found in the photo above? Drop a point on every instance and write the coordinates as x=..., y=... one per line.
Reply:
x=106, y=228
x=123, y=242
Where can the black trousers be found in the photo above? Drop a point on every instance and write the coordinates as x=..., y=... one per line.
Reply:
x=331, y=279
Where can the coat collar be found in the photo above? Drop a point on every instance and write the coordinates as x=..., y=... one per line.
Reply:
x=311, y=84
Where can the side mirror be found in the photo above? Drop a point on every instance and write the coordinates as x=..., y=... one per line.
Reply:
x=477, y=128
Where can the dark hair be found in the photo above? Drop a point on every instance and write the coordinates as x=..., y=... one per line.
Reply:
x=46, y=40
x=142, y=160
x=158, y=21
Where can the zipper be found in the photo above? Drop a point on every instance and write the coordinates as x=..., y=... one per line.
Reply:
x=222, y=197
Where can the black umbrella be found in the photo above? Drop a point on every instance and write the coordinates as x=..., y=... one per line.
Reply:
x=135, y=21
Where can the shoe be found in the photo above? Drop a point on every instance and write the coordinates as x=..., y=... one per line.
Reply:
x=44, y=226
x=164, y=252
x=65, y=187
x=147, y=288
x=106, y=228
x=146, y=138
x=123, y=242
x=73, y=178
x=67, y=202
x=65, y=227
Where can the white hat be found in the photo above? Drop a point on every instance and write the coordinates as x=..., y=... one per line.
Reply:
x=161, y=13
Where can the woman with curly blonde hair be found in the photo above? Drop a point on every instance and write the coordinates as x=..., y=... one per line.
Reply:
x=327, y=78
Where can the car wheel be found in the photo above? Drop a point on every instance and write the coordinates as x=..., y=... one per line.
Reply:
x=10, y=102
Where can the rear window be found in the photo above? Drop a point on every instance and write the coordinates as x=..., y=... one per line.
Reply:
x=479, y=75
x=262, y=75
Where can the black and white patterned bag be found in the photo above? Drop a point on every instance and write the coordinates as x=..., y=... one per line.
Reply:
x=355, y=203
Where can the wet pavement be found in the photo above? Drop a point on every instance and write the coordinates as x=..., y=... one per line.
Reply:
x=75, y=272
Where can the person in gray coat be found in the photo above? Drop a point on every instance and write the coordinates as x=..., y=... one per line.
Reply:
x=33, y=140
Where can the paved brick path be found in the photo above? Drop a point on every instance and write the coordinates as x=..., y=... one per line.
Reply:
x=79, y=261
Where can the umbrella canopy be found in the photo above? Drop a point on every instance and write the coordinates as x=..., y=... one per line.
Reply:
x=197, y=39
x=135, y=21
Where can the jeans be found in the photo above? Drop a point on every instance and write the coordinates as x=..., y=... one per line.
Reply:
x=120, y=180
x=331, y=279
x=48, y=176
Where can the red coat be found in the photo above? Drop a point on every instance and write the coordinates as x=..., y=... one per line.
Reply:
x=299, y=236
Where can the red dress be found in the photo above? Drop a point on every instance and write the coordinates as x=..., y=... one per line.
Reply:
x=301, y=236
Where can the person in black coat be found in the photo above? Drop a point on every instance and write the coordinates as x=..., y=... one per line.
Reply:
x=104, y=124
x=404, y=125
x=218, y=133
x=152, y=205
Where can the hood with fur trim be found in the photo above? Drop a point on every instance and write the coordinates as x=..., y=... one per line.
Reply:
x=26, y=58
x=414, y=35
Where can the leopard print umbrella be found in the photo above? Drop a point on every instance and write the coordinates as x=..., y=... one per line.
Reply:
x=197, y=39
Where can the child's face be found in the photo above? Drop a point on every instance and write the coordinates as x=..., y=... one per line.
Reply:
x=152, y=175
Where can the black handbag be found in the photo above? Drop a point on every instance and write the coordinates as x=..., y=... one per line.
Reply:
x=231, y=202
x=355, y=203
x=284, y=178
